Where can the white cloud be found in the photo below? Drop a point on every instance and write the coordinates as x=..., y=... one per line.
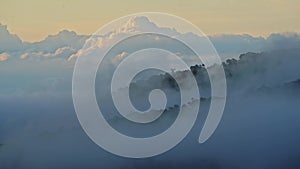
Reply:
x=227, y=46
x=24, y=55
x=63, y=52
x=119, y=57
x=3, y=57
x=59, y=51
x=132, y=26
x=68, y=45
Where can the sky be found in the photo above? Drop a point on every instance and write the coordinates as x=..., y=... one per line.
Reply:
x=33, y=20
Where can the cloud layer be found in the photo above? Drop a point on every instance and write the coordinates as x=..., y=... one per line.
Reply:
x=228, y=46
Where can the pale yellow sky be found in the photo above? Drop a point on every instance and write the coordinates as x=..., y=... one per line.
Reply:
x=33, y=20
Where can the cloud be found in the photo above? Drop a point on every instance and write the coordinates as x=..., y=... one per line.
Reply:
x=75, y=55
x=232, y=45
x=143, y=24
x=3, y=57
x=24, y=55
x=62, y=45
x=93, y=44
x=288, y=40
x=8, y=41
x=227, y=45
x=58, y=51
x=64, y=38
x=63, y=52
x=119, y=57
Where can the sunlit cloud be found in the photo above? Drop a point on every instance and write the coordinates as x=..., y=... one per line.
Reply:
x=4, y=56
